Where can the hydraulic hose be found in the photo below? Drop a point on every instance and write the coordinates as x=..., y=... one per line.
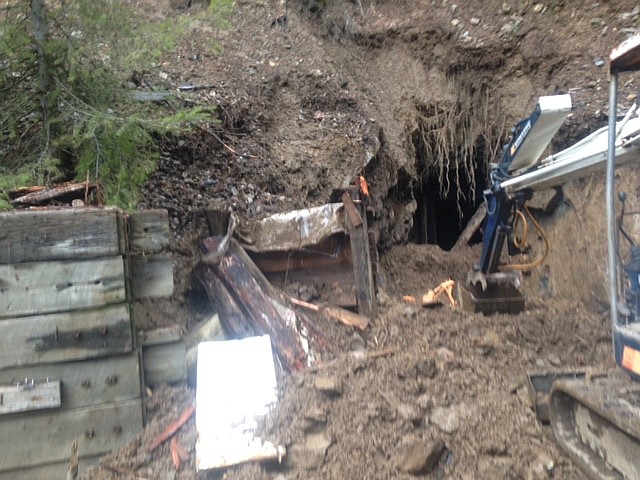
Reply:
x=539, y=261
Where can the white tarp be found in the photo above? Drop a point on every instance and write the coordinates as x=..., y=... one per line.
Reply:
x=236, y=387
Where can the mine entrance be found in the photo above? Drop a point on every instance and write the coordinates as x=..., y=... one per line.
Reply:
x=440, y=219
x=448, y=191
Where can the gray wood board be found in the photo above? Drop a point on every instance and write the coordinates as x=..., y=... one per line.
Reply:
x=86, y=383
x=61, y=337
x=48, y=287
x=165, y=363
x=29, y=236
x=151, y=276
x=32, y=439
x=149, y=231
x=52, y=471
x=158, y=336
x=25, y=397
x=365, y=288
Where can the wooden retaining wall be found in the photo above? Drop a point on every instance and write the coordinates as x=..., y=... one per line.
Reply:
x=69, y=360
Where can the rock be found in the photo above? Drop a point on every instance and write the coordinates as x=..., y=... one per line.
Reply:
x=539, y=363
x=546, y=460
x=314, y=419
x=474, y=21
x=629, y=15
x=425, y=401
x=554, y=360
x=538, y=7
x=447, y=419
x=420, y=457
x=598, y=62
x=312, y=453
x=357, y=343
x=329, y=385
x=489, y=342
x=444, y=354
x=455, y=22
x=426, y=368
x=632, y=97
x=409, y=412
x=506, y=28
x=506, y=8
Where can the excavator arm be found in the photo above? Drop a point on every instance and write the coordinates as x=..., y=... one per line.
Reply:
x=521, y=172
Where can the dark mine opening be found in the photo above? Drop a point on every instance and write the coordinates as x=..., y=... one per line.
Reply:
x=442, y=214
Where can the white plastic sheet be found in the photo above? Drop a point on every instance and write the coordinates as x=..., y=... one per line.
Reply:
x=236, y=387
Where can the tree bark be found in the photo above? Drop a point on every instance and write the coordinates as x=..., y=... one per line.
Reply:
x=40, y=32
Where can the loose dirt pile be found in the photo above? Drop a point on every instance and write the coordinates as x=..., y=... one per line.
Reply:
x=310, y=95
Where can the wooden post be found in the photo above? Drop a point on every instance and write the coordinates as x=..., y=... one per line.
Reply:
x=359, y=237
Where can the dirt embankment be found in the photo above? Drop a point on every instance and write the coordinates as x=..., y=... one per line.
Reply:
x=310, y=95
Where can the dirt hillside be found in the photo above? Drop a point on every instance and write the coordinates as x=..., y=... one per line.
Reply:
x=417, y=96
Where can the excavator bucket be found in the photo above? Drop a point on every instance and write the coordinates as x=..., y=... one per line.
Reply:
x=490, y=297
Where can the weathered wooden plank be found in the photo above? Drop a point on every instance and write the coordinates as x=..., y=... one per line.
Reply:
x=149, y=231
x=365, y=288
x=48, y=287
x=353, y=215
x=86, y=383
x=158, y=336
x=62, y=337
x=151, y=276
x=165, y=363
x=32, y=439
x=52, y=471
x=28, y=396
x=472, y=227
x=29, y=236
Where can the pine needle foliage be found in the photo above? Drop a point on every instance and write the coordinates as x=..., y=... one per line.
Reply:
x=91, y=126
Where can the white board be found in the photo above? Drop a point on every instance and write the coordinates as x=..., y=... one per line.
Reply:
x=236, y=386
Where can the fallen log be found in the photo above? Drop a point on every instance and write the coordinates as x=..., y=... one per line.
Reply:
x=243, y=286
x=233, y=318
x=38, y=195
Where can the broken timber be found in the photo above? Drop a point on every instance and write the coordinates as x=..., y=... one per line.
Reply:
x=237, y=286
x=69, y=364
x=359, y=237
x=312, y=246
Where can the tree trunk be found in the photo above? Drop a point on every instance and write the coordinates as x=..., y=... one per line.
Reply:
x=40, y=31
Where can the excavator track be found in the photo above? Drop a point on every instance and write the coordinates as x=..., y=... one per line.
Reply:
x=597, y=422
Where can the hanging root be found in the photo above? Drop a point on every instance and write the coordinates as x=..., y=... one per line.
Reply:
x=448, y=134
